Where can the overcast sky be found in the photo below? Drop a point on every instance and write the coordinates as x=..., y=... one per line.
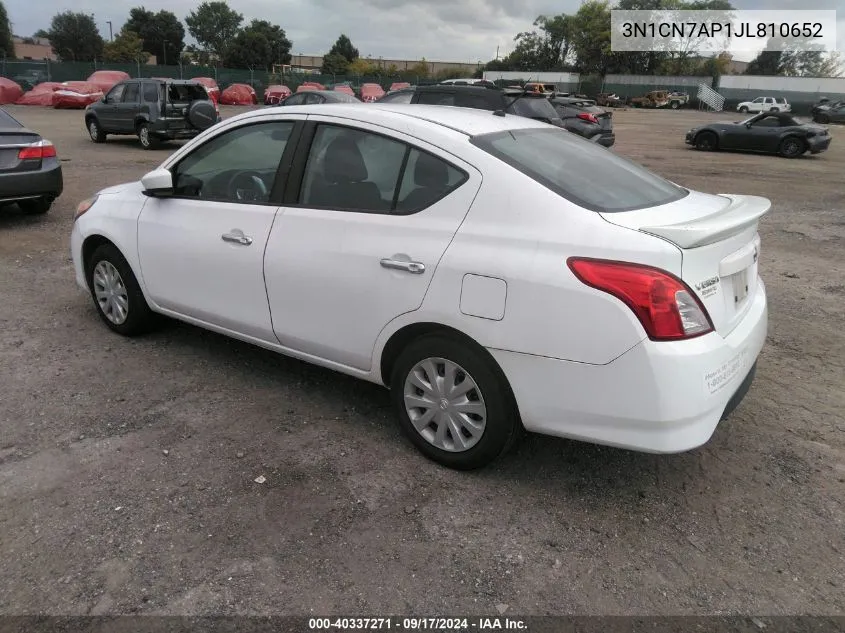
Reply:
x=439, y=30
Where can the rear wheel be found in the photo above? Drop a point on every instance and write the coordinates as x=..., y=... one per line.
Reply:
x=35, y=207
x=148, y=141
x=822, y=118
x=774, y=110
x=744, y=110
x=706, y=142
x=792, y=147
x=95, y=131
x=116, y=293
x=453, y=402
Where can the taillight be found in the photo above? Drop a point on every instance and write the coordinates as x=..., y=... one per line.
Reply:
x=37, y=151
x=586, y=116
x=665, y=305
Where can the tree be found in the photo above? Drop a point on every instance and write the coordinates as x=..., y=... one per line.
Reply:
x=334, y=64
x=127, y=47
x=259, y=45
x=162, y=33
x=363, y=67
x=74, y=37
x=420, y=69
x=214, y=25
x=343, y=46
x=7, y=44
x=591, y=37
x=41, y=34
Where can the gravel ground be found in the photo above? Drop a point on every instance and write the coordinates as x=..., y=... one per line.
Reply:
x=127, y=466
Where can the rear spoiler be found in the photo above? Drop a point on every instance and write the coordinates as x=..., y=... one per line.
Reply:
x=742, y=212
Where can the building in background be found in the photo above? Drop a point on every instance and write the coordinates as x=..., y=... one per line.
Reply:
x=34, y=48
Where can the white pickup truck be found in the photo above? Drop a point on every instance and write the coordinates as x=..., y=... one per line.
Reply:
x=765, y=104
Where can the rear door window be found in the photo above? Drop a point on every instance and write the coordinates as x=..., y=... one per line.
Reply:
x=151, y=93
x=582, y=172
x=437, y=98
x=130, y=95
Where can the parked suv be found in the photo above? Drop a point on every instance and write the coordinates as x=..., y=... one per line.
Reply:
x=154, y=109
x=584, y=118
x=765, y=104
x=510, y=101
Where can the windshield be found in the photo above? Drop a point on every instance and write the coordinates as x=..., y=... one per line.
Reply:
x=580, y=171
x=533, y=108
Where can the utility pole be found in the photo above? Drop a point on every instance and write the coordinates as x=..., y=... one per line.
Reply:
x=497, y=53
x=111, y=33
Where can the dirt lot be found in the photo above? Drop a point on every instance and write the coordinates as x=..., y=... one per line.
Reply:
x=127, y=466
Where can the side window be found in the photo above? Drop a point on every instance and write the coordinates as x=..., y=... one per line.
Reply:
x=297, y=99
x=758, y=100
x=768, y=121
x=151, y=93
x=237, y=166
x=130, y=95
x=311, y=98
x=116, y=94
x=437, y=98
x=352, y=170
x=426, y=180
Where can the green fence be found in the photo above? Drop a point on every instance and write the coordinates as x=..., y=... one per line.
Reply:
x=29, y=73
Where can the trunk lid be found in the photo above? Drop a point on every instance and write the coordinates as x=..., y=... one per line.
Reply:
x=11, y=142
x=720, y=247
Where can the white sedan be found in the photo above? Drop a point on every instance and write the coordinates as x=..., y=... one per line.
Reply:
x=495, y=272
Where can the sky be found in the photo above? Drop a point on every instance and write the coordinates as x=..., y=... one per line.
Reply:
x=439, y=30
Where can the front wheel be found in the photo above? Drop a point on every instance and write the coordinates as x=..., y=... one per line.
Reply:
x=791, y=147
x=453, y=402
x=35, y=207
x=95, y=131
x=116, y=293
x=706, y=142
x=675, y=105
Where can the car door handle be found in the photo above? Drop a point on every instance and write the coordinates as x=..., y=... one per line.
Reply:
x=237, y=238
x=416, y=268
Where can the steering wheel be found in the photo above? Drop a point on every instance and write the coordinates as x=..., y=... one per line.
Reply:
x=248, y=186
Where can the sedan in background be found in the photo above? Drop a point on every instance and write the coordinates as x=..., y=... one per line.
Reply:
x=584, y=118
x=314, y=97
x=30, y=171
x=767, y=132
x=494, y=272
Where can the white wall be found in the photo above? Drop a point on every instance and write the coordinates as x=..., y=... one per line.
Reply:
x=835, y=85
x=530, y=75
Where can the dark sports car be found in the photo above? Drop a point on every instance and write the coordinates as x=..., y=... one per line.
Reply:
x=767, y=132
x=832, y=113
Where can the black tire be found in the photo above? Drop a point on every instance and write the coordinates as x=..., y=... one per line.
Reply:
x=675, y=105
x=792, y=147
x=145, y=137
x=706, y=142
x=744, y=110
x=94, y=130
x=139, y=318
x=35, y=207
x=502, y=427
x=822, y=118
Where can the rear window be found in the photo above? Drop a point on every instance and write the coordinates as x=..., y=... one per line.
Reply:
x=185, y=92
x=533, y=108
x=580, y=171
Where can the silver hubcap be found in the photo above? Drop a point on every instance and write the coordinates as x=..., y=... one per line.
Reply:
x=110, y=292
x=445, y=405
x=92, y=128
x=144, y=135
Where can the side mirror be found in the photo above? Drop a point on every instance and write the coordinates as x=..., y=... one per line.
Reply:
x=158, y=183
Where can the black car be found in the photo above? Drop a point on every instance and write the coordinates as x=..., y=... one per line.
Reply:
x=310, y=97
x=30, y=171
x=153, y=109
x=830, y=113
x=584, y=118
x=511, y=101
x=767, y=132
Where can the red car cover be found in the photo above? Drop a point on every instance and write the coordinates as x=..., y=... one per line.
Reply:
x=211, y=87
x=371, y=92
x=239, y=94
x=399, y=85
x=9, y=91
x=106, y=79
x=310, y=85
x=344, y=89
x=40, y=95
x=75, y=95
x=275, y=94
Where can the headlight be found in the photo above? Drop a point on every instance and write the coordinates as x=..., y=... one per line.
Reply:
x=83, y=206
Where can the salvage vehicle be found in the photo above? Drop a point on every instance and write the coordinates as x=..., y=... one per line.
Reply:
x=313, y=97
x=468, y=260
x=832, y=113
x=609, y=100
x=653, y=99
x=768, y=132
x=584, y=118
x=30, y=171
x=678, y=99
x=153, y=109
x=764, y=104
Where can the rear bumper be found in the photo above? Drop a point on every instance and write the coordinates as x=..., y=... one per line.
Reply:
x=605, y=139
x=47, y=182
x=659, y=397
x=174, y=134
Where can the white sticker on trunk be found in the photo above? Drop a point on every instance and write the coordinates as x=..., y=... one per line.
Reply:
x=717, y=379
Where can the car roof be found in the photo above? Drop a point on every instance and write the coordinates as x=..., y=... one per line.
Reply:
x=179, y=82
x=329, y=94
x=466, y=121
